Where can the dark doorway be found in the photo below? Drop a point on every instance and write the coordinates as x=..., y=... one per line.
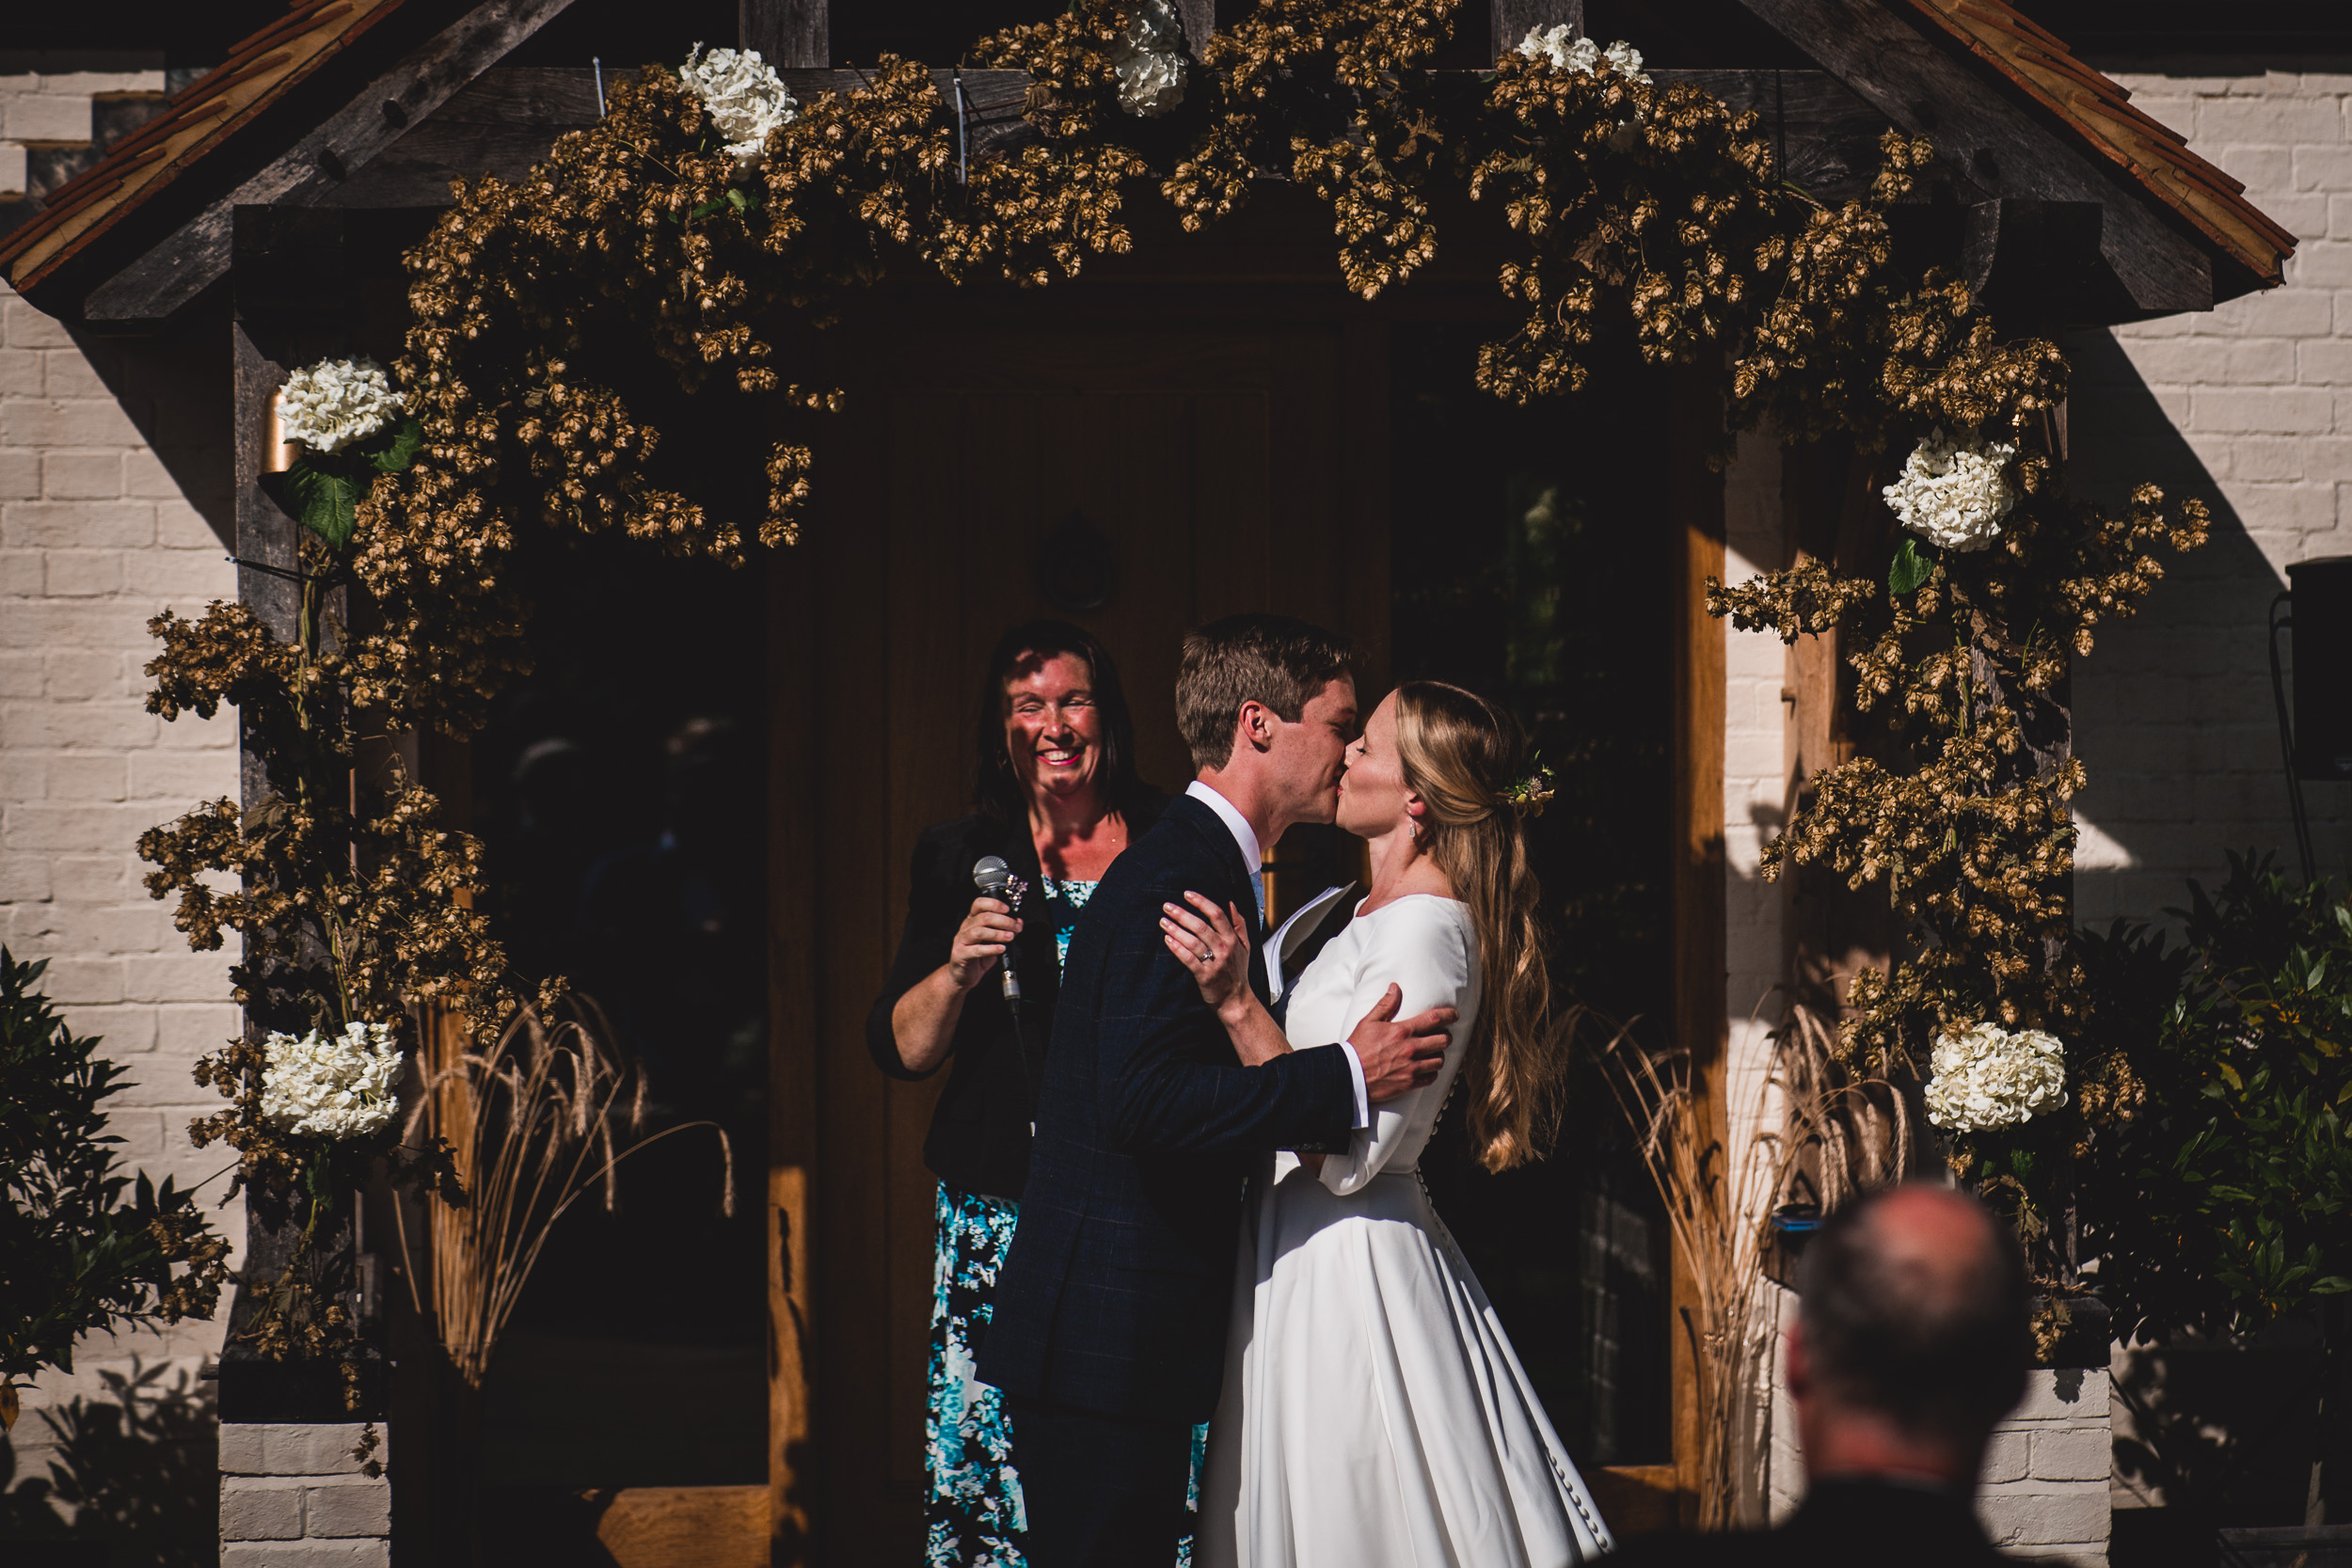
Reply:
x=1534, y=562
x=619, y=790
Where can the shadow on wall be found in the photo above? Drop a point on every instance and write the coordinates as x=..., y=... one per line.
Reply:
x=178, y=389
x=2173, y=714
x=134, y=1479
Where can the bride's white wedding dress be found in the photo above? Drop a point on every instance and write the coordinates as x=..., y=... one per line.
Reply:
x=1373, y=1412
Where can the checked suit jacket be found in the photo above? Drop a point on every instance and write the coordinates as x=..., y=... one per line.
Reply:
x=1118, y=1289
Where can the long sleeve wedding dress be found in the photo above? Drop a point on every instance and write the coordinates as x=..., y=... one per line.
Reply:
x=1372, y=1411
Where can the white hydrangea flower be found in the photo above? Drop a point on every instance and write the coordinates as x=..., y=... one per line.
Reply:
x=743, y=94
x=339, y=1087
x=1987, y=1078
x=1149, y=59
x=328, y=406
x=1955, y=493
x=1560, y=46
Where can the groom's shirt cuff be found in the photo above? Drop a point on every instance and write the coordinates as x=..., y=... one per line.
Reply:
x=1355, y=1078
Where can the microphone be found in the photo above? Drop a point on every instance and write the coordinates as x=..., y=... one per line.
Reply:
x=994, y=878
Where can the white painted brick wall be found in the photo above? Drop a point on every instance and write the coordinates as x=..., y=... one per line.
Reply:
x=95, y=538
x=296, y=1496
x=2044, y=1489
x=2251, y=407
x=51, y=101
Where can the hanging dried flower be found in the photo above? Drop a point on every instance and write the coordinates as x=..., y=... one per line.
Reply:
x=343, y=1086
x=336, y=403
x=1560, y=47
x=1988, y=1078
x=743, y=94
x=1955, y=493
x=1149, y=59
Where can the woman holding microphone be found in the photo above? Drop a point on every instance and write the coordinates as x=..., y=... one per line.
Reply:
x=1057, y=800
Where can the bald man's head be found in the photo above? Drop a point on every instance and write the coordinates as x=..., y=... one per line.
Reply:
x=1914, y=1307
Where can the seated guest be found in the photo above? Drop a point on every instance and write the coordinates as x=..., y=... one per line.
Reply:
x=1057, y=799
x=1909, y=1344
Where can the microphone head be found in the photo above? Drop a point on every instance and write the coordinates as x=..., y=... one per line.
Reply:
x=989, y=874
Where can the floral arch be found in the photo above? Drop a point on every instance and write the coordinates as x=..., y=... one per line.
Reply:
x=708, y=211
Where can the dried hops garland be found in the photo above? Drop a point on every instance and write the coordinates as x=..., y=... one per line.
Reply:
x=558, y=321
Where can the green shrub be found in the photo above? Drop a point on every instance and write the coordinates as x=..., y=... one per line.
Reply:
x=75, y=1254
x=2224, y=1204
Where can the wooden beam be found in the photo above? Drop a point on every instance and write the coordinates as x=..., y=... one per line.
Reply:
x=1694, y=512
x=1990, y=146
x=791, y=35
x=508, y=119
x=1824, y=135
x=1515, y=19
x=173, y=273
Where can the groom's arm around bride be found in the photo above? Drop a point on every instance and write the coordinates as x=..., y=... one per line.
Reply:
x=1111, y=1310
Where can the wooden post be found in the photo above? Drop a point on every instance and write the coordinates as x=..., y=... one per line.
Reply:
x=792, y=1077
x=791, y=35
x=1515, y=19
x=1694, y=510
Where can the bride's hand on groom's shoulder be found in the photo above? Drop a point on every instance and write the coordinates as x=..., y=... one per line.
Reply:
x=1214, y=947
x=1400, y=1055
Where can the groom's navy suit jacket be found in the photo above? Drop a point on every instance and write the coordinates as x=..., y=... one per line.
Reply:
x=1117, y=1291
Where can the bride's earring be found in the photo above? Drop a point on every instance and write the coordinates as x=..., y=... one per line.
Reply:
x=1413, y=827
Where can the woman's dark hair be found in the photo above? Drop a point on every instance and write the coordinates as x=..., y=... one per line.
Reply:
x=996, y=790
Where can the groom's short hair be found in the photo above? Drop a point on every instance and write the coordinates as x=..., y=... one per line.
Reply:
x=1272, y=659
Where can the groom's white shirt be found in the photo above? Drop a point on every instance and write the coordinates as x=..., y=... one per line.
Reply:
x=1254, y=858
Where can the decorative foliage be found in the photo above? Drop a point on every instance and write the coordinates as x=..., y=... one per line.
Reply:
x=1987, y=1078
x=531, y=1122
x=744, y=97
x=1560, y=47
x=81, y=1254
x=341, y=1087
x=335, y=403
x=1149, y=59
x=1954, y=493
x=344, y=412
x=561, y=322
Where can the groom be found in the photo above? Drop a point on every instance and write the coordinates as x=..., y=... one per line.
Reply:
x=1108, y=1334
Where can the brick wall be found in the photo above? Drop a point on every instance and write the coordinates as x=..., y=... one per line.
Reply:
x=2251, y=407
x=2043, y=1491
x=298, y=1496
x=104, y=463
x=57, y=109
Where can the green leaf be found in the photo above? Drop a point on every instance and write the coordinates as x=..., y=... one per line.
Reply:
x=322, y=501
x=734, y=200
x=1910, y=568
x=401, y=449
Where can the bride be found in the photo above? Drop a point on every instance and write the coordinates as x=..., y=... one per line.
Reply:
x=1372, y=1411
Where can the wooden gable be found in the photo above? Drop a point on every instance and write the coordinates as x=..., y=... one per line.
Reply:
x=2070, y=205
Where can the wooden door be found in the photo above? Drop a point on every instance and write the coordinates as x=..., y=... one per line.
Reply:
x=1224, y=464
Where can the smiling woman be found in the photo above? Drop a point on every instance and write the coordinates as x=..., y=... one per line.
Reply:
x=1055, y=757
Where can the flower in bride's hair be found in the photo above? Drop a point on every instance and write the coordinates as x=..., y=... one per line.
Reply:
x=1530, y=795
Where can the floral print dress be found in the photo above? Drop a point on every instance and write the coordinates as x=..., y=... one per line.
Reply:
x=974, y=1517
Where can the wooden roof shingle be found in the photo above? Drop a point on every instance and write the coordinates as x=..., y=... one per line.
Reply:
x=2037, y=63
x=258, y=72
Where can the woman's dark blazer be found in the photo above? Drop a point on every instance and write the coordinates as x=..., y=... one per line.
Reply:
x=979, y=1137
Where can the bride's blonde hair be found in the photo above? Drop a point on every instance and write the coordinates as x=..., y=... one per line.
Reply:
x=1463, y=755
